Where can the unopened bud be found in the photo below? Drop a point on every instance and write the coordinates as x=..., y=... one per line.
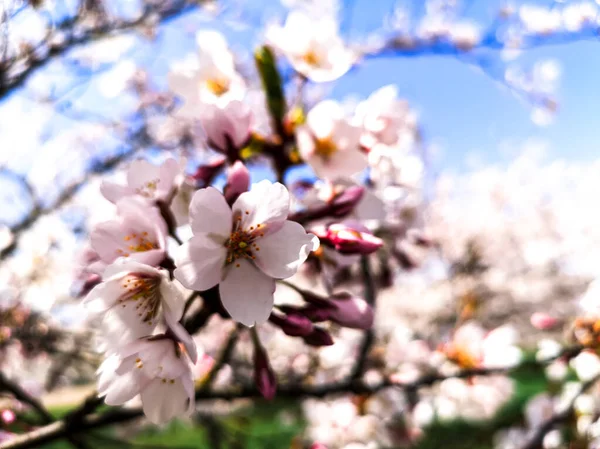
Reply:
x=348, y=240
x=543, y=321
x=264, y=378
x=351, y=311
x=238, y=181
x=318, y=337
x=345, y=202
x=293, y=324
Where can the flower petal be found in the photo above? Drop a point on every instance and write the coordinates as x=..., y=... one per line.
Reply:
x=282, y=252
x=200, y=263
x=247, y=293
x=267, y=204
x=172, y=298
x=103, y=296
x=114, y=192
x=163, y=401
x=210, y=214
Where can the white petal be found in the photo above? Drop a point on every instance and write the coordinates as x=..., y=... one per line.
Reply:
x=141, y=172
x=122, y=389
x=114, y=192
x=163, y=401
x=184, y=337
x=282, y=252
x=267, y=204
x=247, y=293
x=200, y=263
x=209, y=213
x=123, y=266
x=103, y=296
x=172, y=298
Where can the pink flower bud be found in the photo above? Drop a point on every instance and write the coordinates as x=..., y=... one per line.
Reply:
x=351, y=311
x=8, y=416
x=293, y=324
x=318, y=337
x=264, y=378
x=238, y=181
x=345, y=202
x=347, y=239
x=318, y=446
x=227, y=127
x=543, y=321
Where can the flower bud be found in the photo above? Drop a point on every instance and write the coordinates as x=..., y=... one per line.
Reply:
x=318, y=337
x=318, y=446
x=238, y=181
x=348, y=240
x=345, y=202
x=264, y=378
x=351, y=311
x=543, y=321
x=293, y=324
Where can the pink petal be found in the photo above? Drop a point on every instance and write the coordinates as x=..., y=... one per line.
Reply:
x=200, y=263
x=114, y=192
x=267, y=204
x=282, y=252
x=210, y=214
x=247, y=293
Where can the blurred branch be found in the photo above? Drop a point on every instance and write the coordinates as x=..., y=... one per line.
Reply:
x=82, y=418
x=140, y=139
x=369, y=335
x=154, y=12
x=536, y=441
x=24, y=397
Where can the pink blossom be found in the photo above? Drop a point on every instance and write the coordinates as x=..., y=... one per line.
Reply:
x=146, y=180
x=138, y=233
x=227, y=127
x=243, y=248
x=329, y=143
x=312, y=45
x=132, y=300
x=159, y=370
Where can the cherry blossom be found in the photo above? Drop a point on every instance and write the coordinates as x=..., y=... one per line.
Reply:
x=132, y=300
x=228, y=127
x=383, y=117
x=146, y=180
x=209, y=77
x=473, y=347
x=312, y=45
x=138, y=233
x=329, y=143
x=157, y=368
x=243, y=248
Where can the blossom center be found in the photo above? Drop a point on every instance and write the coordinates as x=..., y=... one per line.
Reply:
x=463, y=357
x=325, y=147
x=242, y=242
x=143, y=291
x=217, y=86
x=148, y=189
x=136, y=243
x=311, y=58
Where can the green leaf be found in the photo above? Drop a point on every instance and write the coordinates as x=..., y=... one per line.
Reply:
x=271, y=81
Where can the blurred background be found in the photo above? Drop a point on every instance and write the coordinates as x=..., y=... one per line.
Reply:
x=502, y=95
